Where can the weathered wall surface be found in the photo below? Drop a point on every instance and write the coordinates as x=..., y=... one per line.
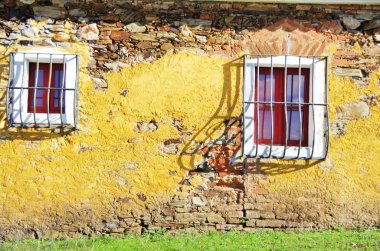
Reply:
x=159, y=111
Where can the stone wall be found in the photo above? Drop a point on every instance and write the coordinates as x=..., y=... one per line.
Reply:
x=178, y=170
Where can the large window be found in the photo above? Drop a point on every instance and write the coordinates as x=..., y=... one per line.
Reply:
x=42, y=90
x=285, y=107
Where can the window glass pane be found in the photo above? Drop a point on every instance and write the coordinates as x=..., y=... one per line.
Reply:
x=292, y=90
x=40, y=102
x=58, y=74
x=40, y=78
x=264, y=124
x=56, y=93
x=265, y=94
x=294, y=124
x=39, y=93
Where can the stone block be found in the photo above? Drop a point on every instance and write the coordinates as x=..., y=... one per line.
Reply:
x=350, y=22
x=198, y=201
x=233, y=214
x=144, y=36
x=262, y=7
x=234, y=220
x=119, y=35
x=50, y=11
x=353, y=111
x=89, y=32
x=348, y=72
x=135, y=27
x=286, y=216
x=224, y=208
x=229, y=227
x=215, y=218
x=260, y=214
x=190, y=217
x=266, y=206
x=271, y=223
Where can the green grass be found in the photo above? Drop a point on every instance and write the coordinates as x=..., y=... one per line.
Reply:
x=326, y=240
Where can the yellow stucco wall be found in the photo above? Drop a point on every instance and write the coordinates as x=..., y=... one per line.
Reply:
x=44, y=173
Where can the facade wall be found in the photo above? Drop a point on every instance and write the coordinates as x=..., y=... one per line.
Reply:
x=159, y=120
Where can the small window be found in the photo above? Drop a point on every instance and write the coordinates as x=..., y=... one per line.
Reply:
x=42, y=90
x=285, y=107
x=47, y=96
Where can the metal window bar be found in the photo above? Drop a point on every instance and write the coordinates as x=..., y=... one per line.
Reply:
x=257, y=117
x=327, y=133
x=18, y=82
x=306, y=106
x=271, y=107
x=63, y=86
x=299, y=108
x=49, y=86
x=35, y=89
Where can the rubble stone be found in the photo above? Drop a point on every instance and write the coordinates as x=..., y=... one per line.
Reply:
x=353, y=111
x=49, y=11
x=135, y=27
x=350, y=22
x=89, y=32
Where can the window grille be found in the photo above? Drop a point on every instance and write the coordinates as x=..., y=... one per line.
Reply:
x=285, y=108
x=42, y=90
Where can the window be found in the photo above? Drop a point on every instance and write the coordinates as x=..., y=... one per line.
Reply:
x=285, y=107
x=41, y=98
x=42, y=90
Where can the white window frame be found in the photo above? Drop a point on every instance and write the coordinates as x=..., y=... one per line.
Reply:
x=19, y=65
x=319, y=96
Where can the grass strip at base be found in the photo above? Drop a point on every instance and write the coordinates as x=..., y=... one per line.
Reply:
x=325, y=240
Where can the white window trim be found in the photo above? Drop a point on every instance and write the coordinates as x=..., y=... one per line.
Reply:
x=318, y=79
x=21, y=60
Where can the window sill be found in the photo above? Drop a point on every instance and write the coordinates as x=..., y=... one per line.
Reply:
x=264, y=151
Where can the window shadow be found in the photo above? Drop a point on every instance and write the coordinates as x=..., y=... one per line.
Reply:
x=221, y=120
x=263, y=166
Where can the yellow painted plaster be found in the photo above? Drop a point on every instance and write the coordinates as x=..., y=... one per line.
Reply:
x=106, y=159
x=348, y=181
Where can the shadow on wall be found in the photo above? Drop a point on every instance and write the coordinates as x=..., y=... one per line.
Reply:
x=264, y=166
x=219, y=153
x=8, y=133
x=219, y=118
